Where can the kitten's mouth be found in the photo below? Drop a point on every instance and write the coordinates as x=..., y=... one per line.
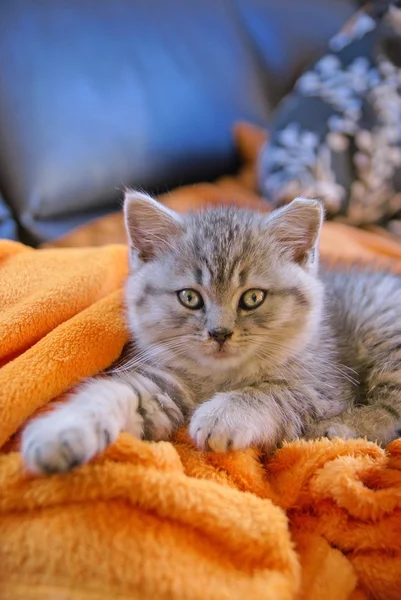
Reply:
x=220, y=358
x=222, y=353
x=219, y=353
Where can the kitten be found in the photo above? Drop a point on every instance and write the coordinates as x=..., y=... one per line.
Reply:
x=235, y=331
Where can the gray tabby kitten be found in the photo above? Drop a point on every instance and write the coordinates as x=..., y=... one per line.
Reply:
x=235, y=330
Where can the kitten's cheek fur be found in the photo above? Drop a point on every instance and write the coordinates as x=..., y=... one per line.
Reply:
x=220, y=425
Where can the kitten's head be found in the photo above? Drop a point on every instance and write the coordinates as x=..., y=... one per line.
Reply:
x=222, y=288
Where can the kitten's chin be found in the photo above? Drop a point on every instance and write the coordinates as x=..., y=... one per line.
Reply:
x=220, y=362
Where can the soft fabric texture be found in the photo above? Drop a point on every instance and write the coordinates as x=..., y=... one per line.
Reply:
x=316, y=520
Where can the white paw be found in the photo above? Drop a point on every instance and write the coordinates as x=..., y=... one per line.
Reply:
x=330, y=429
x=220, y=425
x=59, y=442
x=161, y=418
x=341, y=431
x=75, y=432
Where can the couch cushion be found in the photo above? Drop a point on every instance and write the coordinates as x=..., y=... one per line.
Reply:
x=100, y=94
x=8, y=227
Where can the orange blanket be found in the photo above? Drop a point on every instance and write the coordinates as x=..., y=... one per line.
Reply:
x=318, y=520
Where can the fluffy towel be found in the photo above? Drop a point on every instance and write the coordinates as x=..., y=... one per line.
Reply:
x=144, y=521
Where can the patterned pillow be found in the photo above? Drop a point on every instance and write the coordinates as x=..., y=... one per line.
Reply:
x=338, y=134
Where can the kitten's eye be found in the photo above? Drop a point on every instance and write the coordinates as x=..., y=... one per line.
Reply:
x=252, y=299
x=190, y=299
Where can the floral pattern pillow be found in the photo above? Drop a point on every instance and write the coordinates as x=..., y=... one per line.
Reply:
x=337, y=136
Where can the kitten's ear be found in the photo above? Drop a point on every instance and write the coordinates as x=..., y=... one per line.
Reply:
x=297, y=227
x=150, y=225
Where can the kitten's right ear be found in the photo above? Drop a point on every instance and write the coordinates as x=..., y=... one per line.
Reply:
x=297, y=227
x=150, y=225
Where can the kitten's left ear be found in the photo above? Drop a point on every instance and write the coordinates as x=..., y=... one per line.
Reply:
x=297, y=227
x=150, y=226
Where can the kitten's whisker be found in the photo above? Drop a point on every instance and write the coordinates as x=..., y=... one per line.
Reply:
x=139, y=359
x=152, y=353
x=336, y=368
x=268, y=356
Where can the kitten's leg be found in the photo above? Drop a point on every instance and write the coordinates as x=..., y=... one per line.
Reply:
x=93, y=417
x=263, y=416
x=378, y=421
x=84, y=425
x=379, y=418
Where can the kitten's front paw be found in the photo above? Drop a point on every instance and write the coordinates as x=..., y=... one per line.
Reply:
x=219, y=425
x=49, y=446
x=330, y=429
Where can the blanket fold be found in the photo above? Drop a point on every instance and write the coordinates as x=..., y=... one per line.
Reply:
x=61, y=319
x=315, y=520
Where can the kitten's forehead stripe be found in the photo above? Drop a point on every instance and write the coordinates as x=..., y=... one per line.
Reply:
x=225, y=272
x=221, y=241
x=243, y=276
x=209, y=267
x=198, y=276
x=233, y=267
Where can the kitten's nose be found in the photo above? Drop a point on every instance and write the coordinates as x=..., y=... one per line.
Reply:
x=220, y=335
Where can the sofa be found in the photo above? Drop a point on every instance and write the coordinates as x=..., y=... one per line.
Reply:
x=101, y=94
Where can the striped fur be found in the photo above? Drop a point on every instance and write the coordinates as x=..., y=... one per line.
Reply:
x=320, y=356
